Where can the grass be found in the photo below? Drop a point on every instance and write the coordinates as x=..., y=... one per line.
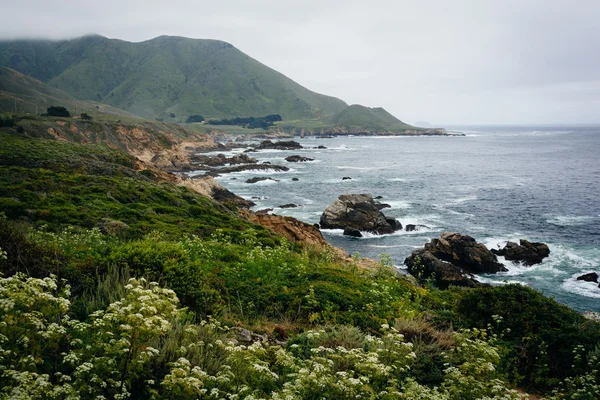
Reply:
x=46, y=181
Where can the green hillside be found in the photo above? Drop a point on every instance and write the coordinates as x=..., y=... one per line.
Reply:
x=370, y=119
x=166, y=76
x=23, y=94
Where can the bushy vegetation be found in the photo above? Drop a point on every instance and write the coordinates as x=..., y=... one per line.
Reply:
x=249, y=122
x=237, y=312
x=194, y=118
x=57, y=111
x=6, y=120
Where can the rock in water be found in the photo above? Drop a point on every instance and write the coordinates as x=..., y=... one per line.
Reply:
x=527, y=252
x=352, y=233
x=281, y=145
x=589, y=277
x=413, y=227
x=425, y=266
x=464, y=252
x=356, y=212
x=451, y=260
x=260, y=179
x=298, y=159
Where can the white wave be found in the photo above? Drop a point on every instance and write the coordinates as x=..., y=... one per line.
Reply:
x=582, y=288
x=262, y=171
x=266, y=182
x=397, y=180
x=361, y=168
x=369, y=235
x=488, y=279
x=571, y=220
x=398, y=204
x=461, y=200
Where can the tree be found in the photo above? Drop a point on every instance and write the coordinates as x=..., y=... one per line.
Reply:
x=194, y=118
x=57, y=111
x=85, y=116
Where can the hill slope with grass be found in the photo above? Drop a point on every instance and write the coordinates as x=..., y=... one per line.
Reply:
x=237, y=311
x=369, y=119
x=20, y=93
x=166, y=76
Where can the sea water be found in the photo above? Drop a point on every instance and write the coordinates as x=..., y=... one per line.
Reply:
x=495, y=184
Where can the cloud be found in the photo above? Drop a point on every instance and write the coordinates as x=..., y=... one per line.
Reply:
x=461, y=61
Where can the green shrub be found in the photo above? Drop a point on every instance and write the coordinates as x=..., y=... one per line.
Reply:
x=539, y=334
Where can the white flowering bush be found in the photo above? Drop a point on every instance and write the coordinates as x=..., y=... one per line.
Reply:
x=145, y=344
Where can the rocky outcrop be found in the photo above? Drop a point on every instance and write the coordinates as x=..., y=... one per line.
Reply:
x=464, y=252
x=528, y=253
x=425, y=266
x=294, y=230
x=260, y=179
x=352, y=233
x=289, y=205
x=209, y=187
x=589, y=277
x=451, y=260
x=298, y=159
x=249, y=167
x=220, y=160
x=281, y=145
x=357, y=212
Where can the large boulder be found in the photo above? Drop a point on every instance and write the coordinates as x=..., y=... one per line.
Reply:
x=526, y=252
x=357, y=212
x=452, y=260
x=589, y=277
x=281, y=145
x=464, y=252
x=298, y=159
x=426, y=267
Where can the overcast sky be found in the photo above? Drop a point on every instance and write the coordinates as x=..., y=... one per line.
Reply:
x=442, y=61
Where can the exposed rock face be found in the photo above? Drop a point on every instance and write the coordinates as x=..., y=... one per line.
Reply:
x=346, y=178
x=221, y=160
x=281, y=145
x=358, y=212
x=451, y=260
x=464, y=252
x=289, y=205
x=529, y=253
x=209, y=187
x=590, y=277
x=291, y=228
x=223, y=195
x=298, y=159
x=424, y=266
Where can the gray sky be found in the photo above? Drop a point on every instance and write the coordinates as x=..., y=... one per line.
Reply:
x=442, y=61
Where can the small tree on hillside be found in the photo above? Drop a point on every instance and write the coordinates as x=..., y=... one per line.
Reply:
x=194, y=118
x=58, y=111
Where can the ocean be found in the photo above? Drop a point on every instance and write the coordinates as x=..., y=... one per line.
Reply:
x=540, y=183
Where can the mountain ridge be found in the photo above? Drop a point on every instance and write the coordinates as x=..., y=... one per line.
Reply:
x=165, y=75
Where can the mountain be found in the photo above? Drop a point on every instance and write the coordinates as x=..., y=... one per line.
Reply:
x=166, y=76
x=370, y=119
x=23, y=94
